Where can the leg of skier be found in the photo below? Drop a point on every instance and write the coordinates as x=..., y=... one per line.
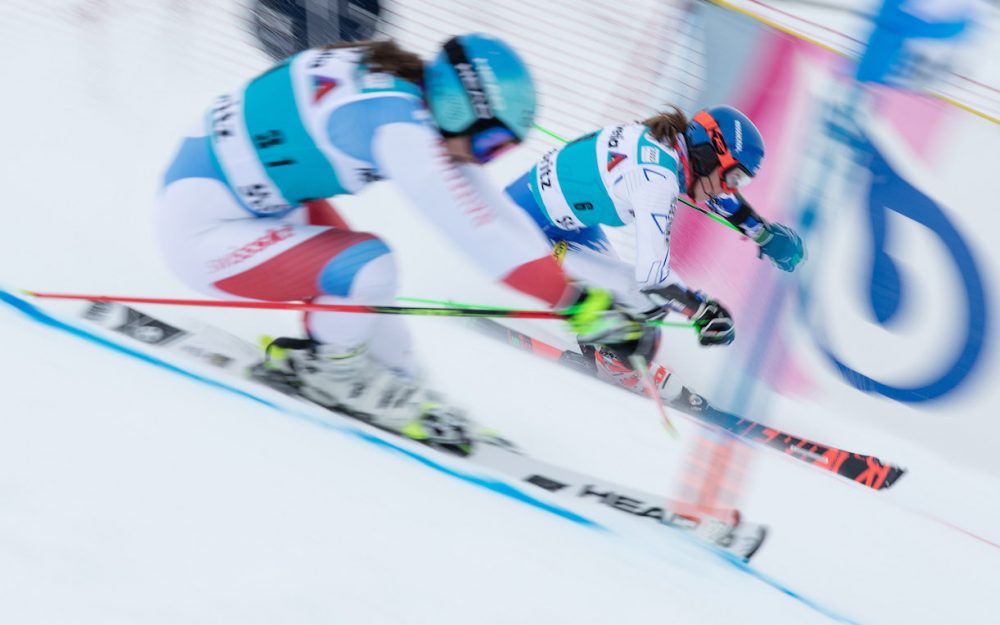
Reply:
x=389, y=338
x=214, y=245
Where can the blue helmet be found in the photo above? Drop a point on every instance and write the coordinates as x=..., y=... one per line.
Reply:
x=478, y=86
x=721, y=136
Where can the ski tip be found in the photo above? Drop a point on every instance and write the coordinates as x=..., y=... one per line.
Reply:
x=761, y=537
x=892, y=476
x=26, y=292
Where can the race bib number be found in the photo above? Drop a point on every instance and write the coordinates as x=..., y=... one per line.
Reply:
x=234, y=149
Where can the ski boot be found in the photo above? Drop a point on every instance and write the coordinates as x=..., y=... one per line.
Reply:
x=363, y=388
x=609, y=368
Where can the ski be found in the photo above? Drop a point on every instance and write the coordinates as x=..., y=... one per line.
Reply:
x=212, y=346
x=863, y=469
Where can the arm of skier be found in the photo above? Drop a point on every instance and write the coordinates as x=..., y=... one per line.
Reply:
x=469, y=212
x=654, y=202
x=781, y=244
x=653, y=194
x=503, y=241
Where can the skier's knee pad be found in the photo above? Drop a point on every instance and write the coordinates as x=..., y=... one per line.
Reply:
x=364, y=269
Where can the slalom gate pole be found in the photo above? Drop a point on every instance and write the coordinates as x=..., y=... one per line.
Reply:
x=641, y=365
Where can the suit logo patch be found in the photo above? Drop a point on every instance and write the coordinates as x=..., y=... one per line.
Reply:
x=322, y=86
x=614, y=158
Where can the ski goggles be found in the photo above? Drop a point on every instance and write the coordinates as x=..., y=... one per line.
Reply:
x=489, y=136
x=732, y=173
x=492, y=141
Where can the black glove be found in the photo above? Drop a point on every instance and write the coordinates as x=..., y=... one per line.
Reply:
x=714, y=324
x=711, y=320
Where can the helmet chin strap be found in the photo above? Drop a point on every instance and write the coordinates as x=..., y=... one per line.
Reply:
x=690, y=178
x=703, y=180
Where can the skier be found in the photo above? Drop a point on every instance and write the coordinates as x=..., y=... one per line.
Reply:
x=242, y=215
x=634, y=173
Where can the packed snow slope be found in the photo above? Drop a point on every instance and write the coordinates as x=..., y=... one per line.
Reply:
x=132, y=493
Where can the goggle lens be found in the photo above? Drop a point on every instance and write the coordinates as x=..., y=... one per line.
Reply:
x=492, y=142
x=736, y=178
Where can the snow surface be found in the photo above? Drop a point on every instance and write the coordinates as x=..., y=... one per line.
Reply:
x=132, y=494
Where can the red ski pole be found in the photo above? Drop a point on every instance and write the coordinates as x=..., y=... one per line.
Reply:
x=347, y=308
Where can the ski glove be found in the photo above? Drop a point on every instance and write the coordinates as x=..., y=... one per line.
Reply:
x=783, y=247
x=598, y=320
x=711, y=320
x=714, y=324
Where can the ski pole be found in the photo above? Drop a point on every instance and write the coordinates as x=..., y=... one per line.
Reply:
x=451, y=304
x=306, y=306
x=641, y=366
x=461, y=310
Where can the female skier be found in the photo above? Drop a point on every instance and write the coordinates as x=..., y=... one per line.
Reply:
x=241, y=213
x=634, y=173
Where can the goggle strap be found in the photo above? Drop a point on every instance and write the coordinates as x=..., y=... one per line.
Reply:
x=718, y=142
x=468, y=75
x=726, y=160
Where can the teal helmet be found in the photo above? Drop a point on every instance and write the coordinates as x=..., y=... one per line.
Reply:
x=479, y=87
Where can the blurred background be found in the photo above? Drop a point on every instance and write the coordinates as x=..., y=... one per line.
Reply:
x=882, y=123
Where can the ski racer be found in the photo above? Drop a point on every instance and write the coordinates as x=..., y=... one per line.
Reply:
x=634, y=173
x=242, y=212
